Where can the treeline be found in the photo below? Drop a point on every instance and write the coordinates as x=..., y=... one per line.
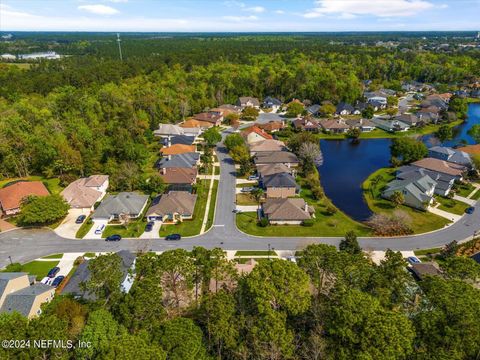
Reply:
x=194, y=305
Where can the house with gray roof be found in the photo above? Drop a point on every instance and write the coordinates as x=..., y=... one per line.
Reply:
x=409, y=119
x=283, y=211
x=345, y=109
x=186, y=160
x=450, y=155
x=390, y=125
x=114, y=207
x=279, y=185
x=313, y=109
x=178, y=139
x=166, y=130
x=272, y=103
x=277, y=157
x=417, y=190
x=82, y=274
x=444, y=181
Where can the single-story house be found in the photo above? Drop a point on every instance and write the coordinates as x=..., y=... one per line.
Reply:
x=346, y=109
x=11, y=196
x=272, y=126
x=178, y=149
x=272, y=103
x=114, y=207
x=364, y=125
x=233, y=108
x=172, y=207
x=444, y=182
x=421, y=270
x=247, y=101
x=178, y=139
x=283, y=211
x=389, y=125
x=186, y=160
x=82, y=275
x=410, y=119
x=336, y=126
x=85, y=192
x=278, y=157
x=441, y=166
x=267, y=145
x=179, y=178
x=451, y=155
x=270, y=169
x=213, y=117
x=279, y=185
x=166, y=130
x=306, y=124
x=191, y=124
x=416, y=189
x=377, y=97
x=253, y=134
x=313, y=110
x=19, y=293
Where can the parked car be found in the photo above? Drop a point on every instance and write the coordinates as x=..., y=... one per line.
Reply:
x=80, y=219
x=253, y=177
x=413, y=260
x=247, y=189
x=54, y=271
x=470, y=210
x=58, y=280
x=236, y=211
x=173, y=237
x=99, y=229
x=114, y=237
x=149, y=226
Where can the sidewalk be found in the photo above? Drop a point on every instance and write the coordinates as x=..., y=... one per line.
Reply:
x=465, y=200
x=445, y=214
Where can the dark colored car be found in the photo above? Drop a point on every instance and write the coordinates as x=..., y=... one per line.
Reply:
x=80, y=219
x=54, y=271
x=58, y=280
x=470, y=210
x=114, y=238
x=149, y=226
x=173, y=237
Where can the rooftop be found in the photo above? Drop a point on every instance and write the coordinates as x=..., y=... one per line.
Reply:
x=12, y=195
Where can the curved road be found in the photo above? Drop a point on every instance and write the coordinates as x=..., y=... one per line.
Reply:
x=26, y=245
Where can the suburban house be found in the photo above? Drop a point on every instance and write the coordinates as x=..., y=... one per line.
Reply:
x=172, y=207
x=336, y=126
x=435, y=100
x=179, y=178
x=124, y=204
x=450, y=155
x=247, y=101
x=186, y=160
x=313, y=110
x=282, y=211
x=11, y=196
x=306, y=124
x=390, y=126
x=272, y=103
x=232, y=108
x=82, y=275
x=19, y=293
x=253, y=134
x=422, y=270
x=166, y=130
x=279, y=185
x=214, y=118
x=409, y=119
x=441, y=166
x=267, y=145
x=278, y=157
x=272, y=126
x=270, y=169
x=429, y=114
x=346, y=109
x=444, y=182
x=364, y=125
x=178, y=139
x=191, y=124
x=377, y=98
x=417, y=190
x=85, y=192
x=470, y=149
x=178, y=149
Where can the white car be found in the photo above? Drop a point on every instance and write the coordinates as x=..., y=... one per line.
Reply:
x=46, y=280
x=99, y=229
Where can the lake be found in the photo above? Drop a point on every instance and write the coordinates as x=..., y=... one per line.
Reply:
x=346, y=165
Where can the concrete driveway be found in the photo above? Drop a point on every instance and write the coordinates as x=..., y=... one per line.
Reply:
x=155, y=233
x=68, y=228
x=91, y=233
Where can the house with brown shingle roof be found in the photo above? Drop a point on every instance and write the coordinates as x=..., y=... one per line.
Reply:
x=441, y=166
x=306, y=124
x=178, y=149
x=11, y=196
x=212, y=117
x=246, y=101
x=272, y=126
x=192, y=123
x=270, y=169
x=336, y=126
x=292, y=211
x=179, y=176
x=85, y=192
x=471, y=149
x=253, y=134
x=172, y=207
x=267, y=145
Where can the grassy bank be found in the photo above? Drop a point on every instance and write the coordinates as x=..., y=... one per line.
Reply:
x=84, y=229
x=451, y=205
x=213, y=202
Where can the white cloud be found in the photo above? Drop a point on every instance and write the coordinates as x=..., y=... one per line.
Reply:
x=380, y=8
x=241, y=18
x=7, y=11
x=256, y=9
x=280, y=12
x=99, y=9
x=117, y=1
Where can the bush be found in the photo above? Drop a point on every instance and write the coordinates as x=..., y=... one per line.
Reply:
x=263, y=222
x=331, y=210
x=42, y=210
x=317, y=193
x=15, y=267
x=308, y=222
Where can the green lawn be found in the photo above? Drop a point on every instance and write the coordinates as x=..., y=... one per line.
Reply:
x=84, y=229
x=476, y=196
x=53, y=256
x=217, y=170
x=39, y=268
x=451, y=205
x=245, y=199
x=211, y=209
x=191, y=227
x=464, y=189
x=427, y=251
x=134, y=229
x=255, y=253
x=52, y=184
x=89, y=254
x=420, y=221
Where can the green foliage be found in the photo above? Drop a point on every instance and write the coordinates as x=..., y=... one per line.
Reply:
x=474, y=132
x=327, y=109
x=212, y=136
x=233, y=140
x=459, y=106
x=263, y=222
x=294, y=109
x=444, y=132
x=249, y=114
x=408, y=149
x=354, y=133
x=350, y=243
x=43, y=210
x=397, y=198
x=368, y=112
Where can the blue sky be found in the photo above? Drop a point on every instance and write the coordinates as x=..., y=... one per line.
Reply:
x=244, y=16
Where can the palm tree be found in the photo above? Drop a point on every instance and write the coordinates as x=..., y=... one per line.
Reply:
x=257, y=193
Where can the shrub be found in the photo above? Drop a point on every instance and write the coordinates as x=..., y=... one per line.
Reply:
x=317, y=193
x=308, y=222
x=331, y=210
x=263, y=222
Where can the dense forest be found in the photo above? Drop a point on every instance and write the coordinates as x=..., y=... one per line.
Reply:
x=193, y=306
x=92, y=113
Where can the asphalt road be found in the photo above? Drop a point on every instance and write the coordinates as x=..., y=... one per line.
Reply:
x=25, y=245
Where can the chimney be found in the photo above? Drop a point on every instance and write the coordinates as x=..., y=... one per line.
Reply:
x=306, y=207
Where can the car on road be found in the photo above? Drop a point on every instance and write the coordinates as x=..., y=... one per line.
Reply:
x=58, y=280
x=236, y=211
x=53, y=271
x=149, y=226
x=99, y=229
x=253, y=177
x=173, y=237
x=114, y=237
x=413, y=260
x=470, y=210
x=80, y=219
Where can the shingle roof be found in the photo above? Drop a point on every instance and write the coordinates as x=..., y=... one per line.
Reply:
x=168, y=129
x=313, y=109
x=277, y=157
x=81, y=194
x=306, y=123
x=21, y=301
x=122, y=203
x=268, y=145
x=269, y=169
x=453, y=155
x=334, y=124
x=180, y=139
x=192, y=123
x=245, y=99
x=210, y=117
x=272, y=101
x=272, y=125
x=283, y=180
x=96, y=180
x=344, y=106
x=12, y=195
x=178, y=149
x=179, y=175
x=417, y=186
x=289, y=209
x=471, y=149
x=440, y=166
x=256, y=130
x=180, y=202
x=187, y=160
x=6, y=277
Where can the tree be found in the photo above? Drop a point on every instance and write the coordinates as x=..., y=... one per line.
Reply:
x=368, y=112
x=408, y=149
x=43, y=210
x=249, y=114
x=474, y=132
x=308, y=153
x=233, y=140
x=392, y=101
x=232, y=118
x=294, y=109
x=350, y=243
x=463, y=268
x=327, y=109
x=354, y=133
x=257, y=194
x=212, y=136
x=397, y=198
x=444, y=133
x=296, y=140
x=154, y=184
x=459, y=106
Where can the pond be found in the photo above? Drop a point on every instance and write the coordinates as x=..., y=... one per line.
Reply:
x=346, y=165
